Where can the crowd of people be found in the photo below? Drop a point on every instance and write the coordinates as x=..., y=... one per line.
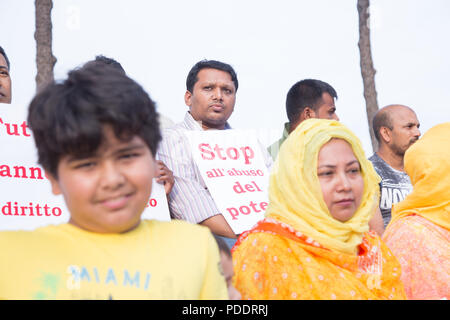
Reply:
x=339, y=225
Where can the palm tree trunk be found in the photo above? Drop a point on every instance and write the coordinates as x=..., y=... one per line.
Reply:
x=367, y=69
x=45, y=60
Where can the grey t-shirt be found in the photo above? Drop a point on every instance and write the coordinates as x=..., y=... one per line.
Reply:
x=394, y=186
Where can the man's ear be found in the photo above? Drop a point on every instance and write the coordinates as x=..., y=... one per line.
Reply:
x=307, y=113
x=56, y=189
x=187, y=98
x=385, y=134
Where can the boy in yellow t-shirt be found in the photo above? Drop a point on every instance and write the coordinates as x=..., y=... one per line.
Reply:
x=96, y=134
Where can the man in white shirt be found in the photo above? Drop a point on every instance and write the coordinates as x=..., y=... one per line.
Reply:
x=210, y=95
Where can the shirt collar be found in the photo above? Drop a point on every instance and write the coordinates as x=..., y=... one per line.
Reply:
x=193, y=124
x=286, y=130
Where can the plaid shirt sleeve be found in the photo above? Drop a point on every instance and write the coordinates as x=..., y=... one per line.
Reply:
x=189, y=199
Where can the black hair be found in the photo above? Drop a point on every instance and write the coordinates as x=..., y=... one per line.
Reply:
x=306, y=93
x=381, y=119
x=6, y=57
x=213, y=64
x=108, y=61
x=68, y=118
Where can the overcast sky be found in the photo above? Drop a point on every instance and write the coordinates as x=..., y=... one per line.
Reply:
x=271, y=45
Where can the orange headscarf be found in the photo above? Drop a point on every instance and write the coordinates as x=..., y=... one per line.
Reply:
x=427, y=162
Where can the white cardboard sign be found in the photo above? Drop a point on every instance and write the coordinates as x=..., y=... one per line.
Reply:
x=232, y=166
x=157, y=207
x=26, y=200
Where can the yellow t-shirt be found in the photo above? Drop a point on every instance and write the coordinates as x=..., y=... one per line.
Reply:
x=157, y=260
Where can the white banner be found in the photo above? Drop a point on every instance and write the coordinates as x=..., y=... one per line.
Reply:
x=26, y=200
x=233, y=168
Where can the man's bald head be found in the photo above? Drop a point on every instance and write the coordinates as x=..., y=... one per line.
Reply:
x=396, y=126
x=384, y=118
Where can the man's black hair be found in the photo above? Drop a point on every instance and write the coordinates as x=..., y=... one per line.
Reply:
x=212, y=64
x=306, y=93
x=2, y=52
x=68, y=118
x=381, y=119
x=109, y=61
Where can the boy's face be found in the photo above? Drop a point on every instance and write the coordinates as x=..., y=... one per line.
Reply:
x=107, y=192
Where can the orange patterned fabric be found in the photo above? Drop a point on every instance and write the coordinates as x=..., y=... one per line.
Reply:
x=287, y=264
x=423, y=251
x=418, y=233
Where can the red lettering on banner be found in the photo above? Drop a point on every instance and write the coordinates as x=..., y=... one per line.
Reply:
x=230, y=154
x=30, y=210
x=208, y=153
x=152, y=203
x=237, y=187
x=246, y=210
x=218, y=149
x=12, y=129
x=234, y=172
x=248, y=154
x=215, y=173
x=203, y=151
x=263, y=205
x=21, y=172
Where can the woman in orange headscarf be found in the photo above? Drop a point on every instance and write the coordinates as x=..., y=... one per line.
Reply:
x=418, y=233
x=314, y=242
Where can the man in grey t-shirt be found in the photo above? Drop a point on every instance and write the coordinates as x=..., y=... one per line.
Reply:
x=396, y=128
x=394, y=186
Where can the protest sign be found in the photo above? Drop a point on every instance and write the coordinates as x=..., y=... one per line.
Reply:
x=26, y=200
x=157, y=207
x=232, y=166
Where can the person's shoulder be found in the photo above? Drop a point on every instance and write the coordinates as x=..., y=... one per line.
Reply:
x=174, y=134
x=29, y=238
x=274, y=148
x=404, y=228
x=373, y=242
x=374, y=158
x=176, y=129
x=176, y=229
x=381, y=167
x=258, y=243
x=40, y=231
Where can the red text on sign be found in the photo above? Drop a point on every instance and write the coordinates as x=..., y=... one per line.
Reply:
x=250, y=187
x=152, y=203
x=14, y=129
x=246, y=210
x=208, y=153
x=21, y=172
x=13, y=209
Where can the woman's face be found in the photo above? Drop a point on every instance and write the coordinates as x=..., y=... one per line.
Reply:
x=340, y=179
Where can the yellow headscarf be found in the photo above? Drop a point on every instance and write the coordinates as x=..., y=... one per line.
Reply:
x=427, y=162
x=295, y=195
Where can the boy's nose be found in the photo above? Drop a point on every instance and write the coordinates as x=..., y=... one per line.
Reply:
x=111, y=177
